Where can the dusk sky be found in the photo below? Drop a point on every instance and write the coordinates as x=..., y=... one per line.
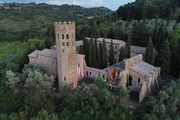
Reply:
x=112, y=4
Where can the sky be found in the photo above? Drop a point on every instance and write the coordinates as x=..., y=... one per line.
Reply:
x=111, y=4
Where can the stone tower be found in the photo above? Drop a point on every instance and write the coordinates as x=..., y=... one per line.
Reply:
x=66, y=53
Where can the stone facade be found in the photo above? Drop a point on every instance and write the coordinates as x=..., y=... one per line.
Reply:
x=63, y=61
x=68, y=61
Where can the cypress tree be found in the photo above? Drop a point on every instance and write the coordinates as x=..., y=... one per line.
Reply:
x=162, y=36
x=86, y=48
x=155, y=33
x=175, y=57
x=111, y=54
x=163, y=58
x=94, y=54
x=149, y=56
x=90, y=53
x=100, y=56
x=122, y=54
x=128, y=46
x=105, y=57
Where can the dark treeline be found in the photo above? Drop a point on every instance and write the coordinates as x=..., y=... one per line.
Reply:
x=148, y=9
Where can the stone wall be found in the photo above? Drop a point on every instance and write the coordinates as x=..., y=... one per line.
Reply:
x=47, y=63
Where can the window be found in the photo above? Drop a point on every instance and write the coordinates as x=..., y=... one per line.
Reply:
x=64, y=78
x=90, y=73
x=103, y=76
x=63, y=44
x=67, y=36
x=130, y=80
x=67, y=43
x=62, y=36
x=58, y=36
x=63, y=50
x=139, y=80
x=87, y=73
x=78, y=65
x=115, y=47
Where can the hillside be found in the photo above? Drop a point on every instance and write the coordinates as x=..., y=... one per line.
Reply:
x=19, y=19
x=148, y=9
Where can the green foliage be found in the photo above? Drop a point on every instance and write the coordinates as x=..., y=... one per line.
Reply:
x=149, y=56
x=148, y=9
x=31, y=20
x=111, y=54
x=92, y=101
x=32, y=79
x=122, y=55
x=44, y=115
x=96, y=54
x=163, y=58
x=165, y=107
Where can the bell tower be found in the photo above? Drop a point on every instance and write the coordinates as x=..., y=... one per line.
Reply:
x=66, y=52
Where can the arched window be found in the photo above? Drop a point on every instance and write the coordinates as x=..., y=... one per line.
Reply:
x=130, y=80
x=58, y=36
x=62, y=36
x=139, y=80
x=67, y=36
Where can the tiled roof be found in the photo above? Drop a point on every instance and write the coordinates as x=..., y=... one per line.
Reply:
x=34, y=54
x=137, y=49
x=46, y=52
x=144, y=68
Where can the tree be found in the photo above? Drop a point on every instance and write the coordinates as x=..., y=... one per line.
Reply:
x=163, y=58
x=90, y=53
x=111, y=54
x=100, y=56
x=149, y=56
x=122, y=54
x=86, y=48
x=44, y=115
x=105, y=57
x=32, y=79
x=155, y=33
x=128, y=46
x=95, y=54
x=162, y=36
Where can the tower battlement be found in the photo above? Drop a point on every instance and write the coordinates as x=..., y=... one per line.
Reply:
x=66, y=25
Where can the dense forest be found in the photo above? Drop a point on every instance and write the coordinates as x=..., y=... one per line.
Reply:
x=28, y=93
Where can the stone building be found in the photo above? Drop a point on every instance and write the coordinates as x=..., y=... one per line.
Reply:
x=64, y=62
